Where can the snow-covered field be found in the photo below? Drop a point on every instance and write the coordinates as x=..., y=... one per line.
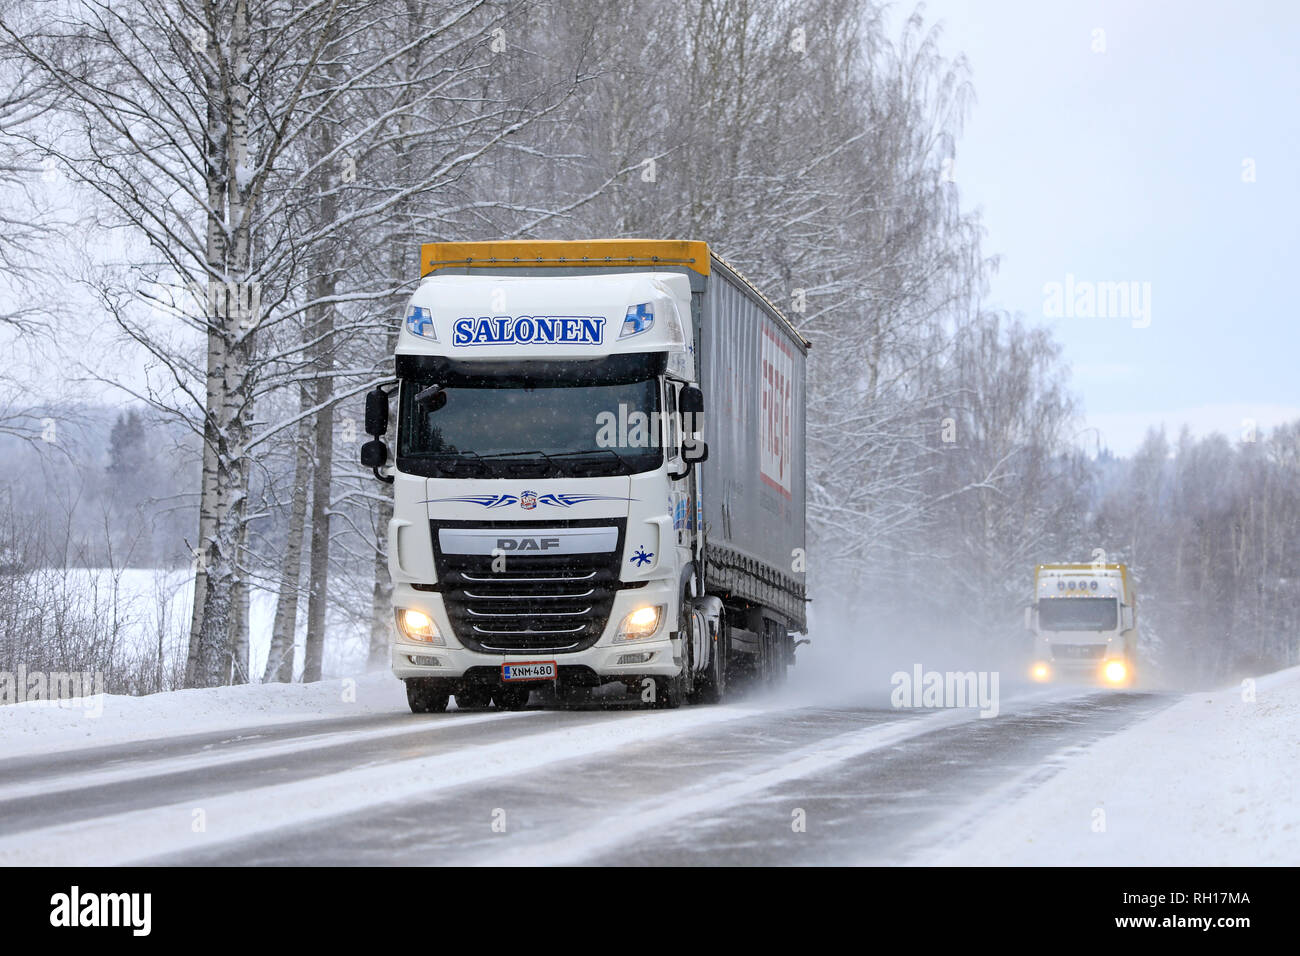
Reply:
x=150, y=611
x=1212, y=781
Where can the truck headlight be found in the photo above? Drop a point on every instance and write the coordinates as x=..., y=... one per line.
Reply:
x=641, y=623
x=418, y=626
x=1115, y=672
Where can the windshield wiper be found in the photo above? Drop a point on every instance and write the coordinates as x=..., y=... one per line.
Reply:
x=516, y=454
x=450, y=462
x=595, y=451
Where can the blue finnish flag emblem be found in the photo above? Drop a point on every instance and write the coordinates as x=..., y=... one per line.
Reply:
x=639, y=318
x=419, y=321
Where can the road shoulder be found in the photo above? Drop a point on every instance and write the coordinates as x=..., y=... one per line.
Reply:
x=1213, y=780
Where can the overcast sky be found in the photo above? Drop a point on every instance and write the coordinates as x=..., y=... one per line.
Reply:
x=1127, y=165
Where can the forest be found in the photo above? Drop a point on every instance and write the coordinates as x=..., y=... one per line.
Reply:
x=211, y=219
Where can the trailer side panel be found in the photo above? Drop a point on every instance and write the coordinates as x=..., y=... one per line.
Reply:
x=753, y=372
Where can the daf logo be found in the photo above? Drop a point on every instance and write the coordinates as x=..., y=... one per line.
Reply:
x=539, y=541
x=527, y=544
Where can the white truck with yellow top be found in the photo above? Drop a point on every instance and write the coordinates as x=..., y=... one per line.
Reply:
x=1084, y=623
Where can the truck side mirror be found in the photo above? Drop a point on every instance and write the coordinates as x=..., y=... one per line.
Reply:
x=691, y=401
x=1029, y=617
x=374, y=454
x=376, y=415
x=1125, y=618
x=695, y=452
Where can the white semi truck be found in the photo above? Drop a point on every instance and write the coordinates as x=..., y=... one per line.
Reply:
x=1084, y=623
x=598, y=475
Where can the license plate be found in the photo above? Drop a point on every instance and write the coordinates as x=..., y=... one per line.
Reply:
x=529, y=670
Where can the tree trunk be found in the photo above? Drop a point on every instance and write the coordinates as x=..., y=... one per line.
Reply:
x=234, y=331
x=381, y=596
x=279, y=662
x=318, y=589
x=241, y=662
x=207, y=510
x=381, y=607
x=216, y=245
x=322, y=364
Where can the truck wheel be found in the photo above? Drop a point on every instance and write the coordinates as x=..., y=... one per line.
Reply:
x=711, y=686
x=511, y=698
x=427, y=695
x=473, y=697
x=774, y=654
x=669, y=692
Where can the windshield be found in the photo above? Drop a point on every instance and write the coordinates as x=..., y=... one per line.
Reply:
x=1078, y=614
x=531, y=419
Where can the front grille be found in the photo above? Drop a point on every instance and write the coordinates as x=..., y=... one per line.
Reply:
x=1078, y=652
x=553, y=603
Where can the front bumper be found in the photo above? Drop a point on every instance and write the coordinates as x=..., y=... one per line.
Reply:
x=1103, y=665
x=605, y=658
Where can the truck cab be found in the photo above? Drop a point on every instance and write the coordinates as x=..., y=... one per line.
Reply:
x=1083, y=623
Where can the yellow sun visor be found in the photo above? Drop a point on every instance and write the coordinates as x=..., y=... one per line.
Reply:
x=564, y=254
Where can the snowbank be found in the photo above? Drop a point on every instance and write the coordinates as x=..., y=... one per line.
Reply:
x=1213, y=780
x=43, y=727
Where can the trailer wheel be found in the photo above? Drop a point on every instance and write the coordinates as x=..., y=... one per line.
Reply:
x=511, y=698
x=473, y=697
x=774, y=654
x=427, y=695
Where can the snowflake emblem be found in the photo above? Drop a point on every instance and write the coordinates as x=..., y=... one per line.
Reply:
x=641, y=557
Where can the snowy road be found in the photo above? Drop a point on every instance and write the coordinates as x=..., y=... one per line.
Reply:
x=754, y=782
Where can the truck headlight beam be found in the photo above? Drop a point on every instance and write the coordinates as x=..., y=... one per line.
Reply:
x=1115, y=672
x=415, y=625
x=640, y=624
